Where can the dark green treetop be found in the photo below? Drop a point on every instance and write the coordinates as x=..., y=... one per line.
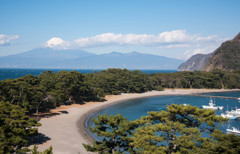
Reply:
x=46, y=151
x=184, y=129
x=15, y=128
x=116, y=131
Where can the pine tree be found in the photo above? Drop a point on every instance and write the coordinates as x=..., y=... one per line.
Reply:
x=184, y=129
x=115, y=130
x=15, y=128
x=47, y=151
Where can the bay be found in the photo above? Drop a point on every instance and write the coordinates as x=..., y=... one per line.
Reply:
x=134, y=109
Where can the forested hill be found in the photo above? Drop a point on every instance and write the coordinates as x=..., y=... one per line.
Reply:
x=226, y=57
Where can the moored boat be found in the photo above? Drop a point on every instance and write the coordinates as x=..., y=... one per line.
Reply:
x=235, y=112
x=212, y=106
x=233, y=130
x=229, y=116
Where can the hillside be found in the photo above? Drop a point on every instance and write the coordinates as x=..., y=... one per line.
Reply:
x=196, y=62
x=78, y=59
x=226, y=57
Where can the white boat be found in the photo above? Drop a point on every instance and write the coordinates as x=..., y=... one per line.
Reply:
x=235, y=112
x=212, y=106
x=185, y=104
x=229, y=116
x=234, y=130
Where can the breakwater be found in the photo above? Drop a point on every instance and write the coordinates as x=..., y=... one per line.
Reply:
x=224, y=97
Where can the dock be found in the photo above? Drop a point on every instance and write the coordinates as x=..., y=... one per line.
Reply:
x=224, y=97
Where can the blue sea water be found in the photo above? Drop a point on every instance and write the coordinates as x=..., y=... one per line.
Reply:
x=134, y=109
x=13, y=73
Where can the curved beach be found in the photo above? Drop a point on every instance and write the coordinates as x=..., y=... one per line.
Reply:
x=66, y=131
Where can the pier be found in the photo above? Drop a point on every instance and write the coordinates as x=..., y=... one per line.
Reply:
x=224, y=97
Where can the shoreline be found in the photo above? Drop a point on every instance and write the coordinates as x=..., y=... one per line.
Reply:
x=68, y=136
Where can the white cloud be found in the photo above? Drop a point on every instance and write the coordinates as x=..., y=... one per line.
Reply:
x=5, y=39
x=176, y=46
x=169, y=39
x=190, y=53
x=57, y=43
x=54, y=41
x=205, y=50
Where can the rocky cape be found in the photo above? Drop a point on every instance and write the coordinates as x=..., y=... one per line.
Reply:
x=78, y=59
x=226, y=57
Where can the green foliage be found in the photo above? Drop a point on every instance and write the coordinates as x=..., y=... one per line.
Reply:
x=47, y=151
x=180, y=129
x=64, y=86
x=48, y=90
x=229, y=143
x=198, y=79
x=15, y=128
x=116, y=131
x=116, y=81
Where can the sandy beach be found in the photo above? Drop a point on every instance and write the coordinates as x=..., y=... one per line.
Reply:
x=66, y=131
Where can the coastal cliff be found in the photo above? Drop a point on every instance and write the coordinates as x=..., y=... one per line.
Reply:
x=196, y=62
x=226, y=57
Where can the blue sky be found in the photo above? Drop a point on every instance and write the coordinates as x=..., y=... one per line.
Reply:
x=172, y=28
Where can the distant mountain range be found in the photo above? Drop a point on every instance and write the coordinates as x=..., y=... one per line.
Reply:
x=78, y=59
x=226, y=57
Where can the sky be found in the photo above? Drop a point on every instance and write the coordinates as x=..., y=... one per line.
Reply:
x=171, y=28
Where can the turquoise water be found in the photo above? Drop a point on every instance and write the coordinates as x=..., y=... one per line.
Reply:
x=134, y=109
x=13, y=73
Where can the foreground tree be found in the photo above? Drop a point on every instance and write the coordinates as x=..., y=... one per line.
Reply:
x=229, y=143
x=46, y=151
x=15, y=128
x=185, y=129
x=115, y=130
x=179, y=129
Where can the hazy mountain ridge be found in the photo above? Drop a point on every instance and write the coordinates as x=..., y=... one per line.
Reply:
x=78, y=59
x=226, y=57
x=41, y=58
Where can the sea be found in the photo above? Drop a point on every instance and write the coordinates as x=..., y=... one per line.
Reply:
x=134, y=109
x=13, y=73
